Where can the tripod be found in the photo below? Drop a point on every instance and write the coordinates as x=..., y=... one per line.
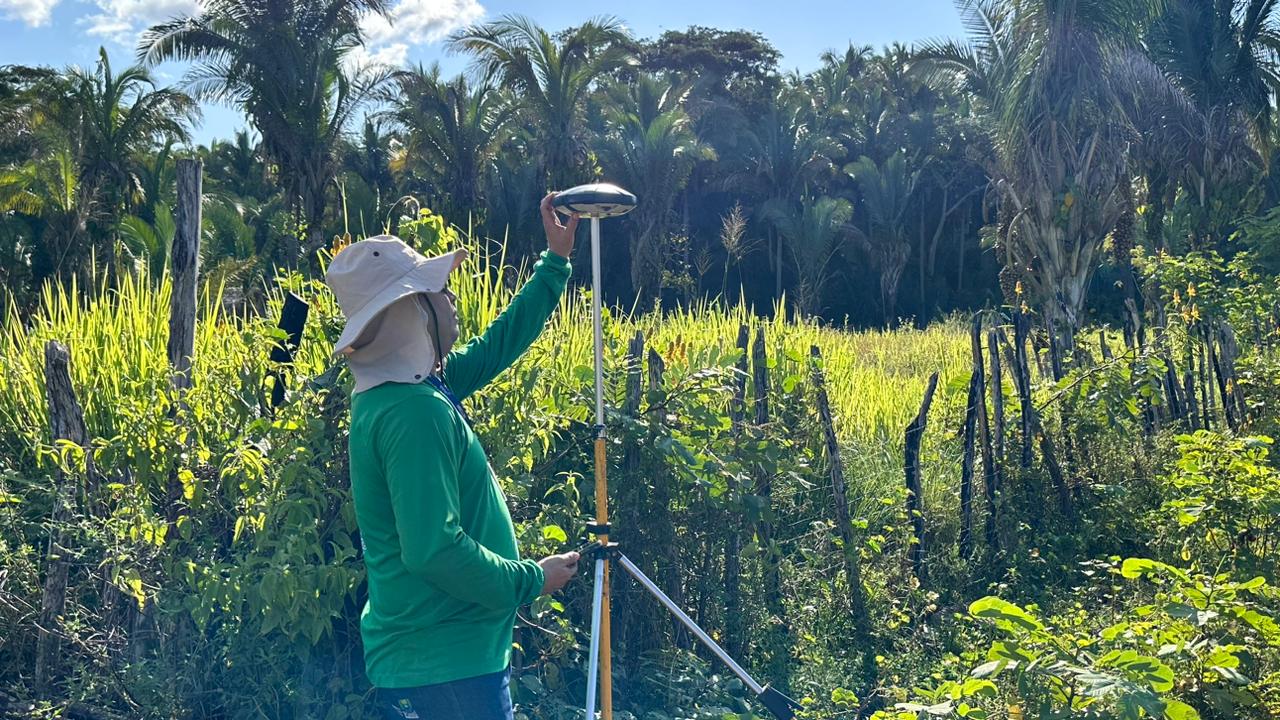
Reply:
x=595, y=202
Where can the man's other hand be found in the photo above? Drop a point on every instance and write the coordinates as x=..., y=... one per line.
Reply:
x=559, y=235
x=558, y=570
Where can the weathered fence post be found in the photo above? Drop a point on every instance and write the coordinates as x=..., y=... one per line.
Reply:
x=1207, y=405
x=994, y=478
x=186, y=269
x=1228, y=408
x=984, y=429
x=664, y=524
x=182, y=300
x=780, y=665
x=1189, y=389
x=844, y=525
x=621, y=605
x=915, y=488
x=733, y=540
x=66, y=422
x=968, y=433
x=1230, y=352
x=1022, y=378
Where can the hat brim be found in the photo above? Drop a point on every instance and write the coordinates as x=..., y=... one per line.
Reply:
x=428, y=277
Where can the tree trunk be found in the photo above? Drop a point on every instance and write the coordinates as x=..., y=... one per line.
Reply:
x=844, y=525
x=915, y=488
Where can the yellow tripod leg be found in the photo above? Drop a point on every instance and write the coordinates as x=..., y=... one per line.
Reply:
x=602, y=518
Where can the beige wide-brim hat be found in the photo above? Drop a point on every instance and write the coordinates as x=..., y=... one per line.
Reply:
x=369, y=275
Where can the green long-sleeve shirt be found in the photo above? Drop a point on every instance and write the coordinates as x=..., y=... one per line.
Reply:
x=445, y=575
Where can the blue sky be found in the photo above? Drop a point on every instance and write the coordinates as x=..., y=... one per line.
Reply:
x=64, y=32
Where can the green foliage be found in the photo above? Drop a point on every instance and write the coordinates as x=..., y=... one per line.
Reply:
x=1182, y=648
x=1224, y=498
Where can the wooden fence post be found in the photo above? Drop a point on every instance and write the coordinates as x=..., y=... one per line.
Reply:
x=1189, y=389
x=733, y=540
x=844, y=525
x=626, y=628
x=780, y=661
x=915, y=487
x=182, y=300
x=1230, y=352
x=186, y=269
x=664, y=523
x=994, y=479
x=968, y=433
x=66, y=422
x=764, y=483
x=1022, y=377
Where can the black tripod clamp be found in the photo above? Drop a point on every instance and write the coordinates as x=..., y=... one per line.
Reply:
x=589, y=549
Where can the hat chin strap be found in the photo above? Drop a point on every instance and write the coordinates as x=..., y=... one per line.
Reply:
x=401, y=349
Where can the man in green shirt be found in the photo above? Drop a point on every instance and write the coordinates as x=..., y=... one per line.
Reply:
x=445, y=575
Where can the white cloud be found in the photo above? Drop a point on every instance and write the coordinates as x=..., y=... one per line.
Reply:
x=123, y=20
x=32, y=12
x=412, y=22
x=395, y=55
x=418, y=22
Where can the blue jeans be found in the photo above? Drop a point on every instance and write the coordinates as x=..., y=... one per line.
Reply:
x=487, y=697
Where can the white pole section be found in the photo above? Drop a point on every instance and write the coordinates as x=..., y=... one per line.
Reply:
x=595, y=315
x=688, y=622
x=593, y=662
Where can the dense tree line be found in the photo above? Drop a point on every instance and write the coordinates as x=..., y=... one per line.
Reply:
x=880, y=186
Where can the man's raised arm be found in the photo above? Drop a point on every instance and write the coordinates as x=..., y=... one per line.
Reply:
x=472, y=366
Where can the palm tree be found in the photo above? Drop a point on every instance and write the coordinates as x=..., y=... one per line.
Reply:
x=236, y=167
x=887, y=192
x=814, y=234
x=1042, y=72
x=90, y=134
x=282, y=62
x=1221, y=58
x=452, y=133
x=114, y=121
x=549, y=77
x=17, y=98
x=48, y=192
x=786, y=155
x=651, y=149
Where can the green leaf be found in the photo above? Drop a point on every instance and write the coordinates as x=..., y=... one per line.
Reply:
x=1178, y=710
x=1137, y=567
x=985, y=688
x=1004, y=612
x=1143, y=668
x=841, y=696
x=554, y=532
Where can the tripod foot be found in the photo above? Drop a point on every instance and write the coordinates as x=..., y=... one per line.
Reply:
x=782, y=707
